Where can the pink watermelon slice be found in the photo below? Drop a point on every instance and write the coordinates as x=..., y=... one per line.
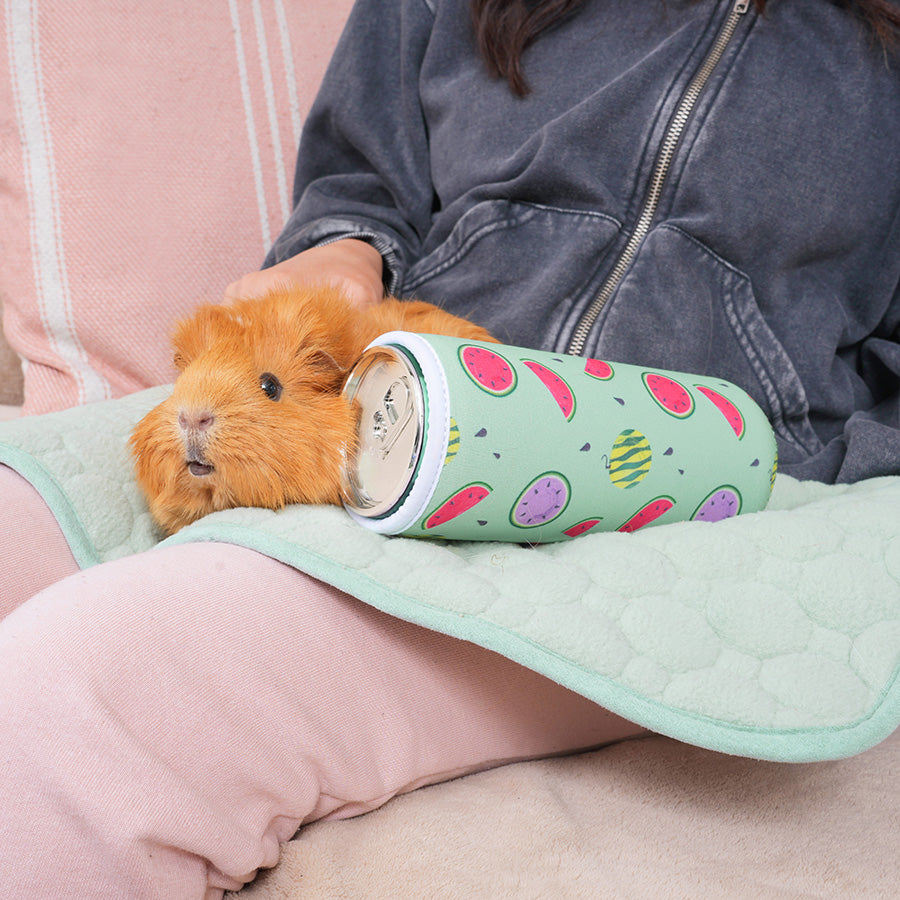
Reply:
x=488, y=369
x=462, y=501
x=673, y=397
x=558, y=388
x=647, y=514
x=598, y=368
x=581, y=527
x=726, y=407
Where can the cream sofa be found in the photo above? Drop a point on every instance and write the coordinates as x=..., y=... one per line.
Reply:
x=10, y=381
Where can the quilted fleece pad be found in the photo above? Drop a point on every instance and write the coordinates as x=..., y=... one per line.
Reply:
x=773, y=635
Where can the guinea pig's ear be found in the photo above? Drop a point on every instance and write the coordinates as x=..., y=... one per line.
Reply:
x=194, y=335
x=327, y=373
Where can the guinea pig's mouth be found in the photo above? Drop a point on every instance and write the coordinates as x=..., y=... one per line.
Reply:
x=199, y=468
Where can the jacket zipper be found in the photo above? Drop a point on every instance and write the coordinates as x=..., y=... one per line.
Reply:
x=666, y=154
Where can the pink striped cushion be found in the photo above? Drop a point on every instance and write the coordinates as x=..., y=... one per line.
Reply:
x=147, y=156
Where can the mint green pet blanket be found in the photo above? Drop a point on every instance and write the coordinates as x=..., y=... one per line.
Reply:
x=773, y=635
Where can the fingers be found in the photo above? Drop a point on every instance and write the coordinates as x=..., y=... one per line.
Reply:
x=253, y=284
x=353, y=266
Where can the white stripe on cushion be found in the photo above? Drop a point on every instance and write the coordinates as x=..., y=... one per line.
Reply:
x=251, y=124
x=51, y=280
x=290, y=74
x=271, y=110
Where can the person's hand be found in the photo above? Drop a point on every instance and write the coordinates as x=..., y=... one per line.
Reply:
x=353, y=266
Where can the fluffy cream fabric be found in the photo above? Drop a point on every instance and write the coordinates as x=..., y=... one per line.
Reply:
x=643, y=819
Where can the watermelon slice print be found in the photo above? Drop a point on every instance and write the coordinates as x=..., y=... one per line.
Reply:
x=560, y=391
x=488, y=369
x=726, y=407
x=673, y=397
x=647, y=514
x=598, y=368
x=462, y=501
x=723, y=503
x=581, y=527
x=542, y=501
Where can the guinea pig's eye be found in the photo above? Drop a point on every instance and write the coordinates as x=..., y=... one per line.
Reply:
x=270, y=385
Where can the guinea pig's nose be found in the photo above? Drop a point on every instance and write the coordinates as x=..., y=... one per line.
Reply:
x=195, y=420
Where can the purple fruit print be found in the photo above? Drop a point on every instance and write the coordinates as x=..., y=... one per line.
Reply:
x=673, y=397
x=647, y=514
x=597, y=368
x=462, y=501
x=542, y=501
x=723, y=503
x=558, y=388
x=726, y=407
x=581, y=527
x=489, y=370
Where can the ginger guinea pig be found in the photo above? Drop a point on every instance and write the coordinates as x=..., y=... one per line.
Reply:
x=256, y=416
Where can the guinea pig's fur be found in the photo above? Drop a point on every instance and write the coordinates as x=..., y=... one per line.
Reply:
x=256, y=416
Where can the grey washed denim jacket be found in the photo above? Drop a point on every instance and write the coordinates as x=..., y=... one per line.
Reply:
x=688, y=185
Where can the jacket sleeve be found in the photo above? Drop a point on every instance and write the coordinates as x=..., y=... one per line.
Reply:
x=363, y=165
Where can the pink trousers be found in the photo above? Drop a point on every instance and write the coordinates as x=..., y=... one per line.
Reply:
x=166, y=720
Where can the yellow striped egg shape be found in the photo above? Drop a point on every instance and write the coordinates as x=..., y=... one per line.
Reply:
x=452, y=441
x=630, y=459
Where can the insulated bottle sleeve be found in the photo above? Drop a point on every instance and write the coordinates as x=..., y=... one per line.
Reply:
x=521, y=445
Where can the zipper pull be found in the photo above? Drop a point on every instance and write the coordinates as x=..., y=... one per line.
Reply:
x=741, y=6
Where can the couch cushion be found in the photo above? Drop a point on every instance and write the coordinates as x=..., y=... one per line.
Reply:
x=148, y=153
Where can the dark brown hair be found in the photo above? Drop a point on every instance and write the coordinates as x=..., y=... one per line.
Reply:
x=505, y=28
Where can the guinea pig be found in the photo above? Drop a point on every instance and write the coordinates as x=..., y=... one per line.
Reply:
x=256, y=416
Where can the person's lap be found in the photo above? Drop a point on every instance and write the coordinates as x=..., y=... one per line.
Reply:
x=199, y=702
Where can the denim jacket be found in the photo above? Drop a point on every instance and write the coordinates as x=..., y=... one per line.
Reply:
x=690, y=186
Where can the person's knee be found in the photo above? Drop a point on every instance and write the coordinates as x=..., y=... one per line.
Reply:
x=33, y=550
